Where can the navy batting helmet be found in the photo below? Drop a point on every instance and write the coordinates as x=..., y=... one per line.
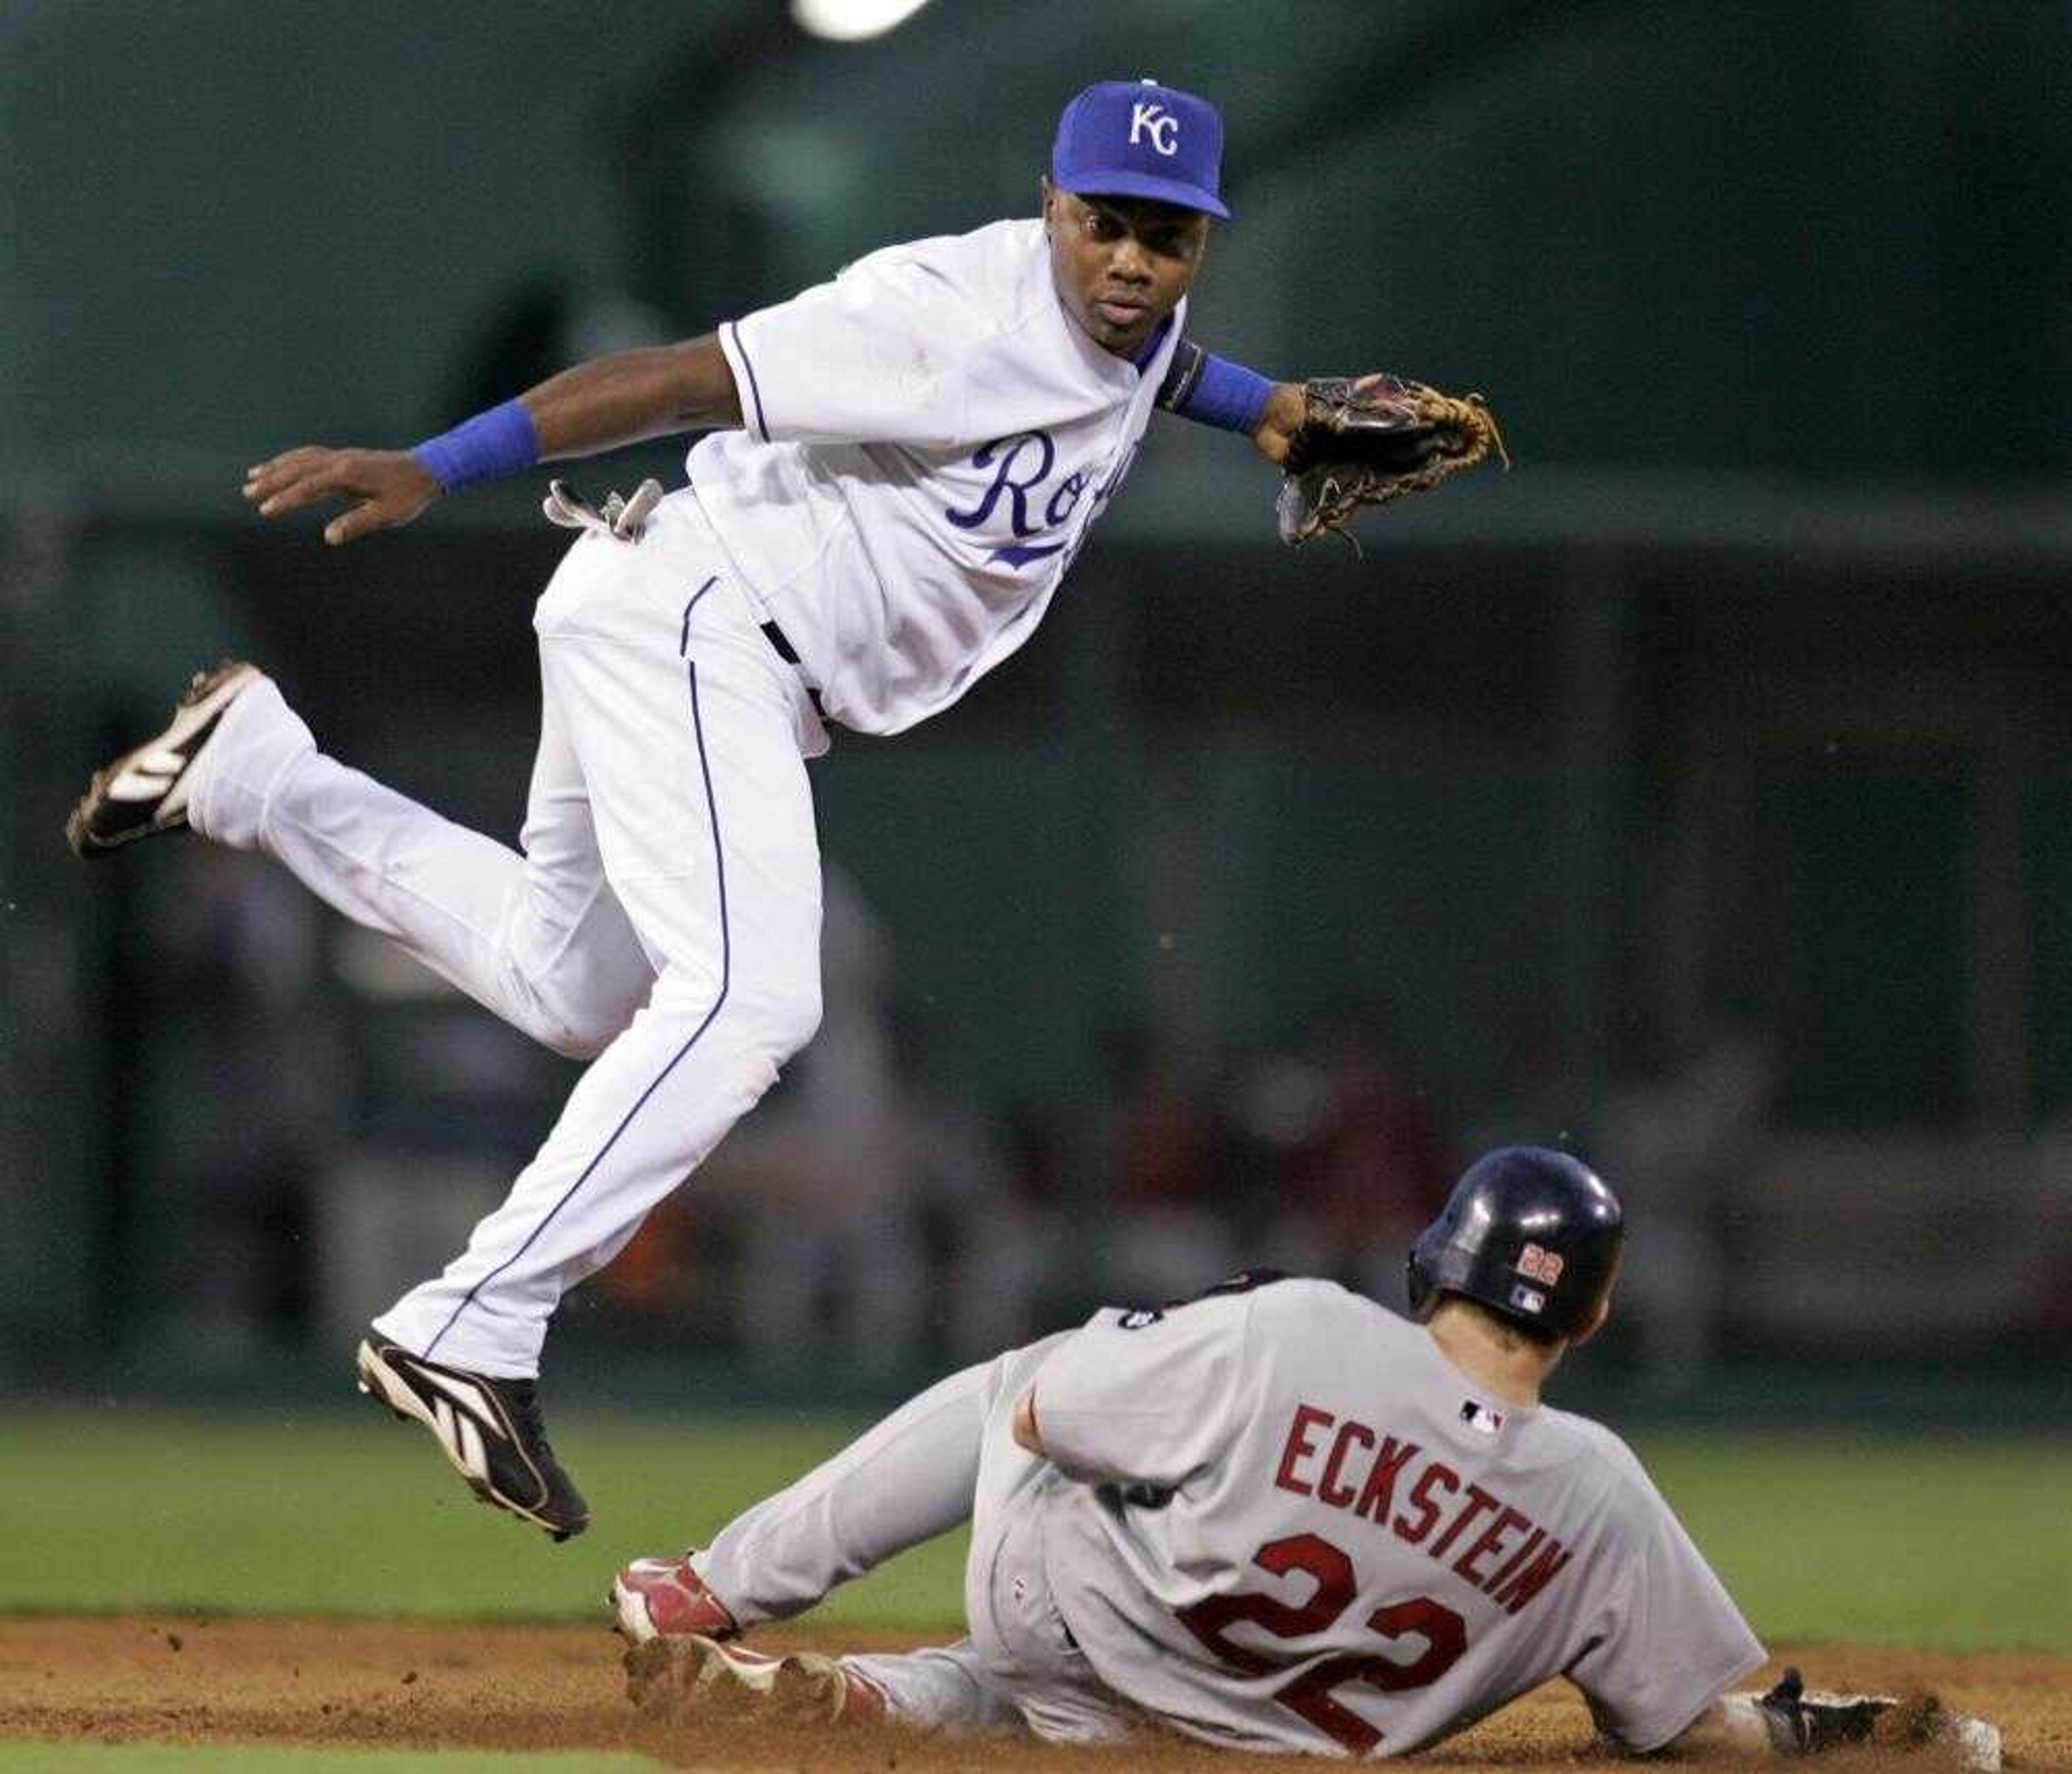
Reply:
x=1531, y=1234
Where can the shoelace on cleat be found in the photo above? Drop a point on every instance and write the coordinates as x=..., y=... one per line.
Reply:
x=525, y=1403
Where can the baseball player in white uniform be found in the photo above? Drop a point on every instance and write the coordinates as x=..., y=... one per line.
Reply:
x=899, y=467
x=1276, y=1517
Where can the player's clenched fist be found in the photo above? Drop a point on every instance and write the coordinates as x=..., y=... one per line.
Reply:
x=382, y=487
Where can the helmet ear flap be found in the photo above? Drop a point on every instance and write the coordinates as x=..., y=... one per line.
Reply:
x=1419, y=1287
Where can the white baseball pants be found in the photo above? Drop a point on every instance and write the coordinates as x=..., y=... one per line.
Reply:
x=947, y=1456
x=661, y=917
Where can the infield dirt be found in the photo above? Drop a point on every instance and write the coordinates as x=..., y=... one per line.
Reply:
x=191, y=1679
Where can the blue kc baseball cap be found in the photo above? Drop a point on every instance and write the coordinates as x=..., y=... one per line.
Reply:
x=1132, y=138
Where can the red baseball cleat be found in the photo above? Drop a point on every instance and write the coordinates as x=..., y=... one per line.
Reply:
x=663, y=1597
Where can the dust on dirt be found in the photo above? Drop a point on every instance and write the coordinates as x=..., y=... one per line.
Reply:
x=191, y=1679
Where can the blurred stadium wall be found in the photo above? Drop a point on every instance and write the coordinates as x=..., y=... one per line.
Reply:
x=1700, y=793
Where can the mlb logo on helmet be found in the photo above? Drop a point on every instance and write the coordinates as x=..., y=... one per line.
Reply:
x=1125, y=138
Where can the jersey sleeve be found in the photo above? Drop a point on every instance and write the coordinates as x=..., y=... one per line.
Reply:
x=872, y=357
x=1145, y=1398
x=1669, y=1640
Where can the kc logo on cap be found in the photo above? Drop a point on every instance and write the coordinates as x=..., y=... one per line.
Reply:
x=1153, y=121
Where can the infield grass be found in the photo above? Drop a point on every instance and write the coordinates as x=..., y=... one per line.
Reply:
x=1956, y=1543
x=349, y=1513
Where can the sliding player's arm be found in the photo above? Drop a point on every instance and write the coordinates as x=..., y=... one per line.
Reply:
x=1142, y=1398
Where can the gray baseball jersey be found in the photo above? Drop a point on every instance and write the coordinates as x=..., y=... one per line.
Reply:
x=1281, y=1518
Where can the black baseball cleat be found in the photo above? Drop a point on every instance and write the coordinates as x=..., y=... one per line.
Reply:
x=490, y=1428
x=145, y=790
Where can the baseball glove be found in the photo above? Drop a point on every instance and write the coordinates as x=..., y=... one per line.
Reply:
x=1367, y=439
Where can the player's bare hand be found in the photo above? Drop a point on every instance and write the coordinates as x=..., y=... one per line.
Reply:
x=380, y=488
x=1285, y=409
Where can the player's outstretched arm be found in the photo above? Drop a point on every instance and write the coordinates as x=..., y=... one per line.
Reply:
x=632, y=396
x=602, y=405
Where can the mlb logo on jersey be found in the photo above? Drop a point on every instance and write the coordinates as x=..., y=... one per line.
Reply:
x=1480, y=1417
x=1541, y=1266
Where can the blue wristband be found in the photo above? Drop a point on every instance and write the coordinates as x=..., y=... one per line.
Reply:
x=499, y=442
x=1227, y=396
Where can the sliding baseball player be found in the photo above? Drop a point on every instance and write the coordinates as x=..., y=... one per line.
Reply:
x=1274, y=1518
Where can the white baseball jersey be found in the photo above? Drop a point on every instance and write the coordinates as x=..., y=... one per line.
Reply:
x=1282, y=1519
x=926, y=441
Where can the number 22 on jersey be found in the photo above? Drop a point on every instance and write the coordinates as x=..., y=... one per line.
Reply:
x=1311, y=1693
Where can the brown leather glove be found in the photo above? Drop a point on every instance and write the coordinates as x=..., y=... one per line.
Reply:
x=1367, y=439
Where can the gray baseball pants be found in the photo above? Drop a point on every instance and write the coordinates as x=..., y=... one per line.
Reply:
x=944, y=1458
